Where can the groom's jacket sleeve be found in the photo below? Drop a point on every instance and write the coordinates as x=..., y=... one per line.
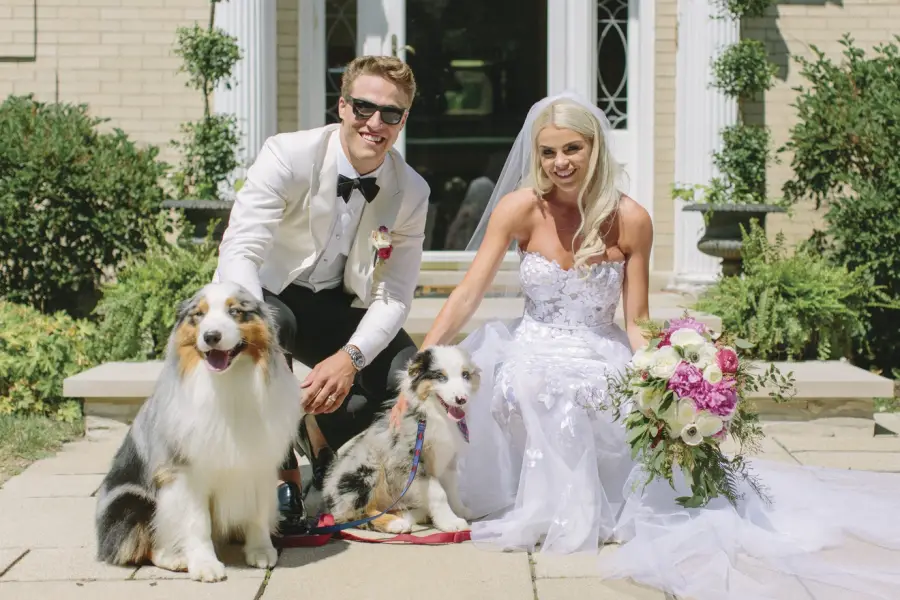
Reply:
x=395, y=280
x=258, y=209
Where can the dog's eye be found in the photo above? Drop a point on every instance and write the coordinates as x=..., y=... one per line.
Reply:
x=234, y=311
x=442, y=377
x=466, y=375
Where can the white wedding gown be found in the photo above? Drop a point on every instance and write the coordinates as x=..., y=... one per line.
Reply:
x=545, y=470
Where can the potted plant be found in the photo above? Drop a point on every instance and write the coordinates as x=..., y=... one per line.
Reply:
x=209, y=149
x=737, y=196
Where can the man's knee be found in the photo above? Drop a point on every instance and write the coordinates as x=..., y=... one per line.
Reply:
x=398, y=365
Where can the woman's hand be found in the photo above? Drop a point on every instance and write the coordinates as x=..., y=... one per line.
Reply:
x=398, y=411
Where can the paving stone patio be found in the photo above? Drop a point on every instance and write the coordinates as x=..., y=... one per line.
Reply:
x=47, y=539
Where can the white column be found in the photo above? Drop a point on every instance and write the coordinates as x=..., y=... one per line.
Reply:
x=701, y=112
x=572, y=47
x=253, y=97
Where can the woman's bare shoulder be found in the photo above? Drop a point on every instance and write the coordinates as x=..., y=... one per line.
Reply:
x=635, y=224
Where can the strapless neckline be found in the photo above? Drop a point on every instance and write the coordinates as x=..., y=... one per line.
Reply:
x=592, y=267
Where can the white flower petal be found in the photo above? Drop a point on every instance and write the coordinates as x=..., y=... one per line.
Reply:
x=709, y=424
x=691, y=435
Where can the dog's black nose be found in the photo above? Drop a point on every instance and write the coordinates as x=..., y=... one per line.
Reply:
x=212, y=337
x=461, y=400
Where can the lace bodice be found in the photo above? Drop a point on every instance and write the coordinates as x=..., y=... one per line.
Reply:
x=587, y=297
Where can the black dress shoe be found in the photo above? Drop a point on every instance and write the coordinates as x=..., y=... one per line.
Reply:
x=294, y=519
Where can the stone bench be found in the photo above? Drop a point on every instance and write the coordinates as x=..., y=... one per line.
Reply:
x=824, y=390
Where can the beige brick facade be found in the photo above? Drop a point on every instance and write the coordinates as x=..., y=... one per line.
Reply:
x=664, y=135
x=789, y=29
x=117, y=56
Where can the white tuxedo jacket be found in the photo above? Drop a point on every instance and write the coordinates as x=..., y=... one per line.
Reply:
x=282, y=215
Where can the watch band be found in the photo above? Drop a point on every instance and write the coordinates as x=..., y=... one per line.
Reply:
x=359, y=361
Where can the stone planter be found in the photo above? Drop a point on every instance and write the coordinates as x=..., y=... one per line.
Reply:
x=200, y=213
x=722, y=237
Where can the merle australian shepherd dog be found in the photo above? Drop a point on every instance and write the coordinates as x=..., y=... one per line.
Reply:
x=372, y=470
x=200, y=462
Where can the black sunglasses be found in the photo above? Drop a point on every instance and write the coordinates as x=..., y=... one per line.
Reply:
x=363, y=109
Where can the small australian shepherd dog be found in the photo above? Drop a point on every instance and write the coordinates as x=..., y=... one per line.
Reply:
x=200, y=461
x=373, y=468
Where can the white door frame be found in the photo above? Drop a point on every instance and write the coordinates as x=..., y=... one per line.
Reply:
x=571, y=64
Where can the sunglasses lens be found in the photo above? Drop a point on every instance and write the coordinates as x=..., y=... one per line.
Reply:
x=391, y=117
x=365, y=110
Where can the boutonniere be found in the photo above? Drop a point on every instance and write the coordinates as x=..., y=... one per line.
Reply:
x=381, y=242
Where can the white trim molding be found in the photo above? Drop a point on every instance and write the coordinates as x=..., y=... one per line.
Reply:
x=701, y=112
x=311, y=65
x=254, y=97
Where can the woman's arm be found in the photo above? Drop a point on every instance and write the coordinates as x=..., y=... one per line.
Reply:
x=636, y=241
x=508, y=222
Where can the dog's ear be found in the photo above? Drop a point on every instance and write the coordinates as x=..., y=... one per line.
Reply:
x=420, y=363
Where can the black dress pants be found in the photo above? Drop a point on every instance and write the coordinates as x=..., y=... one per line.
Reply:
x=312, y=327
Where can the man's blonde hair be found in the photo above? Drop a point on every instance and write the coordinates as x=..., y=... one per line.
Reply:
x=389, y=67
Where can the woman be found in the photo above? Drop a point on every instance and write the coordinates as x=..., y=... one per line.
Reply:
x=546, y=467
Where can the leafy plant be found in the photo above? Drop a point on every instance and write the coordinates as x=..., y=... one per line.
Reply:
x=37, y=352
x=740, y=9
x=845, y=159
x=797, y=307
x=743, y=70
x=210, y=145
x=74, y=203
x=137, y=312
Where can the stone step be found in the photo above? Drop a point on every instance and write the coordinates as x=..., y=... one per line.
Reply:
x=824, y=390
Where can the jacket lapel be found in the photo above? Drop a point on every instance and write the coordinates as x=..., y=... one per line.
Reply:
x=381, y=211
x=324, y=189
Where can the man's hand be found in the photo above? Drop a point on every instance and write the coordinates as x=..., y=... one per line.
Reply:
x=398, y=410
x=328, y=384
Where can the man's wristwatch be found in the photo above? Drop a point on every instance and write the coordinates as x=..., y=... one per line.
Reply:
x=359, y=361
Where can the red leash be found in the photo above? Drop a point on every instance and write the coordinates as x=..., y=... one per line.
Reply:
x=314, y=540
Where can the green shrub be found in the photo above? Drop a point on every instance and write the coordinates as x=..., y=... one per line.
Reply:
x=37, y=352
x=797, y=307
x=74, y=202
x=137, y=312
x=845, y=158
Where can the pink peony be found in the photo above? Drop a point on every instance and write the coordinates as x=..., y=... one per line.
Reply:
x=686, y=323
x=687, y=381
x=720, y=399
x=727, y=360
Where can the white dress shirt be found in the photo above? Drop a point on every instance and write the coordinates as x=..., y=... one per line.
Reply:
x=328, y=270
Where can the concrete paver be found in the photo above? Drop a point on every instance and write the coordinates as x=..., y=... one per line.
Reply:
x=47, y=539
x=46, y=522
x=341, y=570
x=867, y=461
x=230, y=589
x=8, y=556
x=595, y=589
x=64, y=564
x=36, y=485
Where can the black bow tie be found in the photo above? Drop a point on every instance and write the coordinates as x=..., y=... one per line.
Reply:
x=366, y=185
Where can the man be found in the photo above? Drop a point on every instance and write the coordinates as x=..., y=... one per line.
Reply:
x=328, y=229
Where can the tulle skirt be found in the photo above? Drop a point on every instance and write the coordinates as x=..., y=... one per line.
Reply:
x=547, y=470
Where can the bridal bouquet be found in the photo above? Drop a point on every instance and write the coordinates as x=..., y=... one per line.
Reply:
x=684, y=394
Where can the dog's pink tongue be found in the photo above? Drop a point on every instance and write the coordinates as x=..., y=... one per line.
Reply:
x=217, y=359
x=456, y=412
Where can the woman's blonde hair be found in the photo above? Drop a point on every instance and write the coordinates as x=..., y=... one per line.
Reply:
x=599, y=195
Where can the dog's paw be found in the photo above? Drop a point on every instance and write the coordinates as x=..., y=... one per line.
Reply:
x=261, y=557
x=169, y=561
x=450, y=524
x=398, y=525
x=206, y=568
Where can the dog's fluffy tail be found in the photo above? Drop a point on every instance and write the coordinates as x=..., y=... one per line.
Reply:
x=125, y=511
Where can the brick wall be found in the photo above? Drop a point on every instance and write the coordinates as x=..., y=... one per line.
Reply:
x=288, y=33
x=664, y=136
x=114, y=55
x=789, y=29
